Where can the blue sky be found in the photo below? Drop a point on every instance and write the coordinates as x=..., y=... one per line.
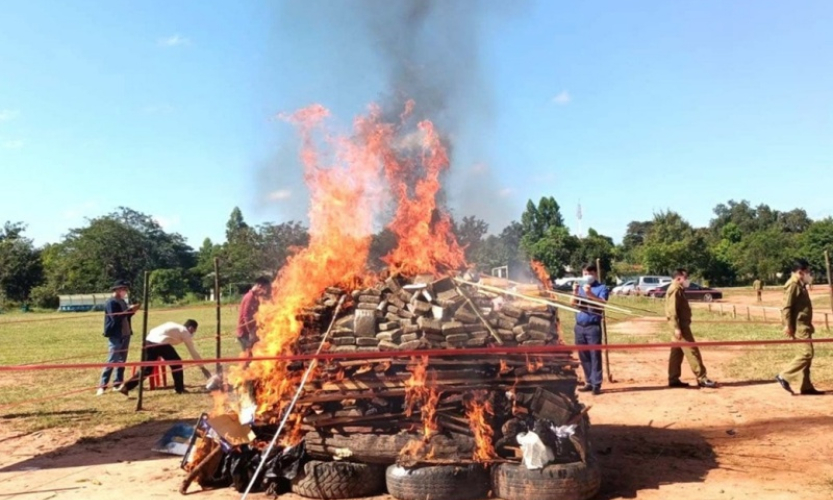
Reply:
x=630, y=107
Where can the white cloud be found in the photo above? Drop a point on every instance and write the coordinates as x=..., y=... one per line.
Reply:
x=506, y=192
x=173, y=41
x=12, y=144
x=167, y=223
x=7, y=115
x=280, y=194
x=563, y=98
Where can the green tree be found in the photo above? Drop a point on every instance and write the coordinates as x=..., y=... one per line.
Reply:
x=545, y=239
x=121, y=245
x=813, y=242
x=278, y=242
x=470, y=232
x=168, y=285
x=764, y=254
x=672, y=243
x=635, y=236
x=241, y=261
x=203, y=271
x=594, y=246
x=21, y=267
x=555, y=250
x=537, y=220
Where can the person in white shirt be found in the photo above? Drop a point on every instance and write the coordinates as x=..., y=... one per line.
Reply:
x=160, y=343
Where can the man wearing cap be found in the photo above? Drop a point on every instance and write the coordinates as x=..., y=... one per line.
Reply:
x=589, y=326
x=117, y=330
x=160, y=344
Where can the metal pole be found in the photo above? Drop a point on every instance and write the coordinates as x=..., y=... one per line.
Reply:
x=829, y=276
x=146, y=303
x=604, y=326
x=217, y=300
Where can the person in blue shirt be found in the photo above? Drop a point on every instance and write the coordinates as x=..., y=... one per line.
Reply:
x=589, y=326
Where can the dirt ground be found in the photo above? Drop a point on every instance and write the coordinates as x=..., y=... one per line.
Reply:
x=746, y=440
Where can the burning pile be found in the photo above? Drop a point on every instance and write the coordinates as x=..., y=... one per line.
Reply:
x=395, y=405
x=432, y=410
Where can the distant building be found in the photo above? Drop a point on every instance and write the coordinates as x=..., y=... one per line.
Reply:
x=82, y=302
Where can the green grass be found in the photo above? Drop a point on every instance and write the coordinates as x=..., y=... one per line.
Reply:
x=753, y=362
x=39, y=337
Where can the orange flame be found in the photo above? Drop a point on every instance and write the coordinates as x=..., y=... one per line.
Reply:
x=541, y=273
x=426, y=240
x=478, y=410
x=418, y=394
x=349, y=184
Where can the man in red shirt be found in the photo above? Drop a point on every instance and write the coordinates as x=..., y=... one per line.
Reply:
x=246, y=323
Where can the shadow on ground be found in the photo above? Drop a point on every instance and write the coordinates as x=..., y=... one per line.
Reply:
x=743, y=383
x=131, y=444
x=636, y=458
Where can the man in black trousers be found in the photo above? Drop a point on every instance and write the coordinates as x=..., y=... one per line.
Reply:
x=160, y=343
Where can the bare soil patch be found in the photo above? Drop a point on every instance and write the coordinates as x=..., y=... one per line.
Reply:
x=746, y=440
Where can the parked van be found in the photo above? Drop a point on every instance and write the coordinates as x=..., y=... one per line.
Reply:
x=645, y=284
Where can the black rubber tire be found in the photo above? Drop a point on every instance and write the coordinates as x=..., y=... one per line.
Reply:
x=336, y=480
x=573, y=481
x=438, y=482
x=707, y=297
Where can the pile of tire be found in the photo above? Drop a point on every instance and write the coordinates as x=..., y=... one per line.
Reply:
x=337, y=480
x=572, y=481
x=508, y=481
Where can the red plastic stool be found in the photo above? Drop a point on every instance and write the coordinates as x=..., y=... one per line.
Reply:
x=158, y=378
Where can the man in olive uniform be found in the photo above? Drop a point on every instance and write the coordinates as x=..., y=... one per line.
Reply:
x=678, y=313
x=797, y=318
x=758, y=287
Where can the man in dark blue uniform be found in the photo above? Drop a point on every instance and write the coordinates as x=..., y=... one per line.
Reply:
x=589, y=326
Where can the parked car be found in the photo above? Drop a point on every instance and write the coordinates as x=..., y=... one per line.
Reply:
x=625, y=288
x=693, y=292
x=645, y=284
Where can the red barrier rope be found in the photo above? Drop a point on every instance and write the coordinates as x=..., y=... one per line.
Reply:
x=475, y=351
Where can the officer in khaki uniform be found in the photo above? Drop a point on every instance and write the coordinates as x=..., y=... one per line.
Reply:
x=797, y=318
x=678, y=313
x=758, y=287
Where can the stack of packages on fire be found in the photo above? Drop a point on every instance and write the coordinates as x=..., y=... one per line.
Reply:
x=412, y=412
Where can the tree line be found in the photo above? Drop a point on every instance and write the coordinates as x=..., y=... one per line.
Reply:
x=741, y=243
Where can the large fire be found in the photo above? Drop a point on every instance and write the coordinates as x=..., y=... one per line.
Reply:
x=351, y=182
x=479, y=410
x=419, y=393
x=541, y=273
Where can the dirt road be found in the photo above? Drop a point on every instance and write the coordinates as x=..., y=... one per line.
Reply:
x=746, y=440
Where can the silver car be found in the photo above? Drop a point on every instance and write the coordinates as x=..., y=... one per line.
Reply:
x=625, y=288
x=645, y=284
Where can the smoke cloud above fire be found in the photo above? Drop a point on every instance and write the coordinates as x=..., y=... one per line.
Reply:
x=390, y=52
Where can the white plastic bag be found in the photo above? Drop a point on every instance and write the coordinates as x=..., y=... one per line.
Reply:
x=564, y=431
x=536, y=453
